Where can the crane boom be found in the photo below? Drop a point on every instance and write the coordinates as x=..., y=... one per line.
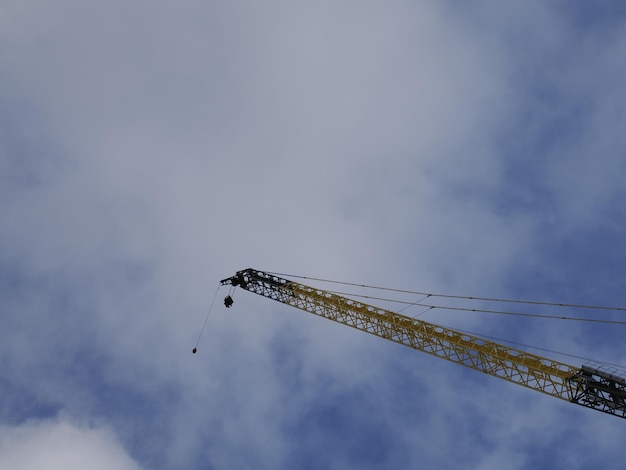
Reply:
x=589, y=386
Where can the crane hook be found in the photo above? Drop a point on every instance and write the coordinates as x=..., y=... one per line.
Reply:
x=228, y=301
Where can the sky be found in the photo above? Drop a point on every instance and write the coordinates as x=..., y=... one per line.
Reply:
x=150, y=149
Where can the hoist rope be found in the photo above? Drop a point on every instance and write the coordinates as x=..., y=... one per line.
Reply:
x=205, y=320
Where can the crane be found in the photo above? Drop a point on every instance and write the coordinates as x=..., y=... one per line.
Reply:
x=590, y=385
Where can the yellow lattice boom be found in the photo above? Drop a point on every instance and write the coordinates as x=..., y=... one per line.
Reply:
x=593, y=387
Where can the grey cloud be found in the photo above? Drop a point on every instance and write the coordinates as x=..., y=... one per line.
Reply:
x=165, y=147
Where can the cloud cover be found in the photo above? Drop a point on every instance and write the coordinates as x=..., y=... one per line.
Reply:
x=58, y=445
x=149, y=150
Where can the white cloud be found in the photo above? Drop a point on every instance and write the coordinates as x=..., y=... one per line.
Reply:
x=61, y=445
x=152, y=149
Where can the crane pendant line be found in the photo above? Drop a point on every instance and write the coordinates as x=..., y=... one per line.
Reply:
x=586, y=386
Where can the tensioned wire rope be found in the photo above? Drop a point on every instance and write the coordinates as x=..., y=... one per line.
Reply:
x=489, y=299
x=478, y=310
x=429, y=307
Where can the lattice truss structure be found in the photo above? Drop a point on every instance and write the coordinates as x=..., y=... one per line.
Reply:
x=591, y=385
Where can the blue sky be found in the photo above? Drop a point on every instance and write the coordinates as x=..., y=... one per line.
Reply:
x=148, y=150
